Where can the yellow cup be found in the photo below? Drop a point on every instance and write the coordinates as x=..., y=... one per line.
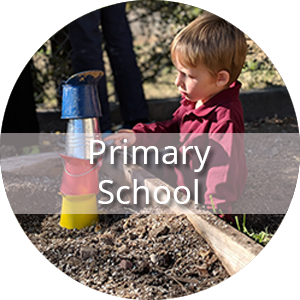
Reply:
x=78, y=211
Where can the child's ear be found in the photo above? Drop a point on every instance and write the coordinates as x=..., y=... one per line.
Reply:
x=223, y=78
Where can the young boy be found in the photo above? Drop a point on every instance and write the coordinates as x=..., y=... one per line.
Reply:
x=209, y=55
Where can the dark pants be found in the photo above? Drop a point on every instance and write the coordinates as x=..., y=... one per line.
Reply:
x=20, y=115
x=86, y=42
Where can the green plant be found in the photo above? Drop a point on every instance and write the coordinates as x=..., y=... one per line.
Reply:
x=214, y=208
x=262, y=237
x=212, y=204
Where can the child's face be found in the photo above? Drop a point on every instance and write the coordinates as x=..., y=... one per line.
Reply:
x=196, y=84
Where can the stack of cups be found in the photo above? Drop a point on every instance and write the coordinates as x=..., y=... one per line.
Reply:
x=81, y=106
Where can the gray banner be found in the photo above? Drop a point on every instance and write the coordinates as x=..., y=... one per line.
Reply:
x=253, y=173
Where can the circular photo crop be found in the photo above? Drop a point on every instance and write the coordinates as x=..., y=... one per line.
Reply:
x=149, y=150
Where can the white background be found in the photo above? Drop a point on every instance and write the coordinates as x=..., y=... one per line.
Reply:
x=26, y=25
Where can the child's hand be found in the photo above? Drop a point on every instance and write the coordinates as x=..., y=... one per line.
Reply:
x=124, y=137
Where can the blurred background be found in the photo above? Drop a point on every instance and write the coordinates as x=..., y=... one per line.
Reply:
x=153, y=25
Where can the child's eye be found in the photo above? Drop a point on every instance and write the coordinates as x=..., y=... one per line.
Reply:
x=181, y=74
x=188, y=75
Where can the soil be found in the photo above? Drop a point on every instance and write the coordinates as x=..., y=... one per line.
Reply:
x=129, y=255
x=132, y=256
x=273, y=125
x=136, y=256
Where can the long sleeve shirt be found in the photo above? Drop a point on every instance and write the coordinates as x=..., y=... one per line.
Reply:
x=217, y=123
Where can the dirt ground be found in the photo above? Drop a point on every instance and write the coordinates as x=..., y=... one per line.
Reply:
x=273, y=125
x=136, y=256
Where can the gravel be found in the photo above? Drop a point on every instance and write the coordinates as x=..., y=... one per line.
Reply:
x=130, y=256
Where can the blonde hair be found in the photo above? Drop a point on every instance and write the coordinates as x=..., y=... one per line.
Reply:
x=212, y=42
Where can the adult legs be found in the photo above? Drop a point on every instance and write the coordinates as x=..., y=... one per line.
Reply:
x=118, y=44
x=86, y=42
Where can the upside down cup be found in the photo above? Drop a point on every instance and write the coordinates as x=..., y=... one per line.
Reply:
x=79, y=176
x=80, y=96
x=79, y=211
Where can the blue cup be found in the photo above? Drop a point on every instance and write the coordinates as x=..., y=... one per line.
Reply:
x=80, y=98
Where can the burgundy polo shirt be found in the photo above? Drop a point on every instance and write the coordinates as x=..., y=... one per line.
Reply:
x=217, y=123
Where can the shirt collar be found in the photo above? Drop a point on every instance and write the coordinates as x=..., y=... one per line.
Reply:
x=224, y=96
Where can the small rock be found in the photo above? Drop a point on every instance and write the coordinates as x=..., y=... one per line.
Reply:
x=125, y=264
x=87, y=252
x=97, y=228
x=106, y=240
x=154, y=258
x=191, y=287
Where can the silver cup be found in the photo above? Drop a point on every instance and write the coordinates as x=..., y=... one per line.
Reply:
x=79, y=134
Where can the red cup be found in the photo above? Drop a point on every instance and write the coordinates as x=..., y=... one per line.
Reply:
x=79, y=177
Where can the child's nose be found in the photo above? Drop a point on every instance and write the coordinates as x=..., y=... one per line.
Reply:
x=177, y=80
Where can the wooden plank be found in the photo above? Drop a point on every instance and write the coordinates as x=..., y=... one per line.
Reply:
x=234, y=249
